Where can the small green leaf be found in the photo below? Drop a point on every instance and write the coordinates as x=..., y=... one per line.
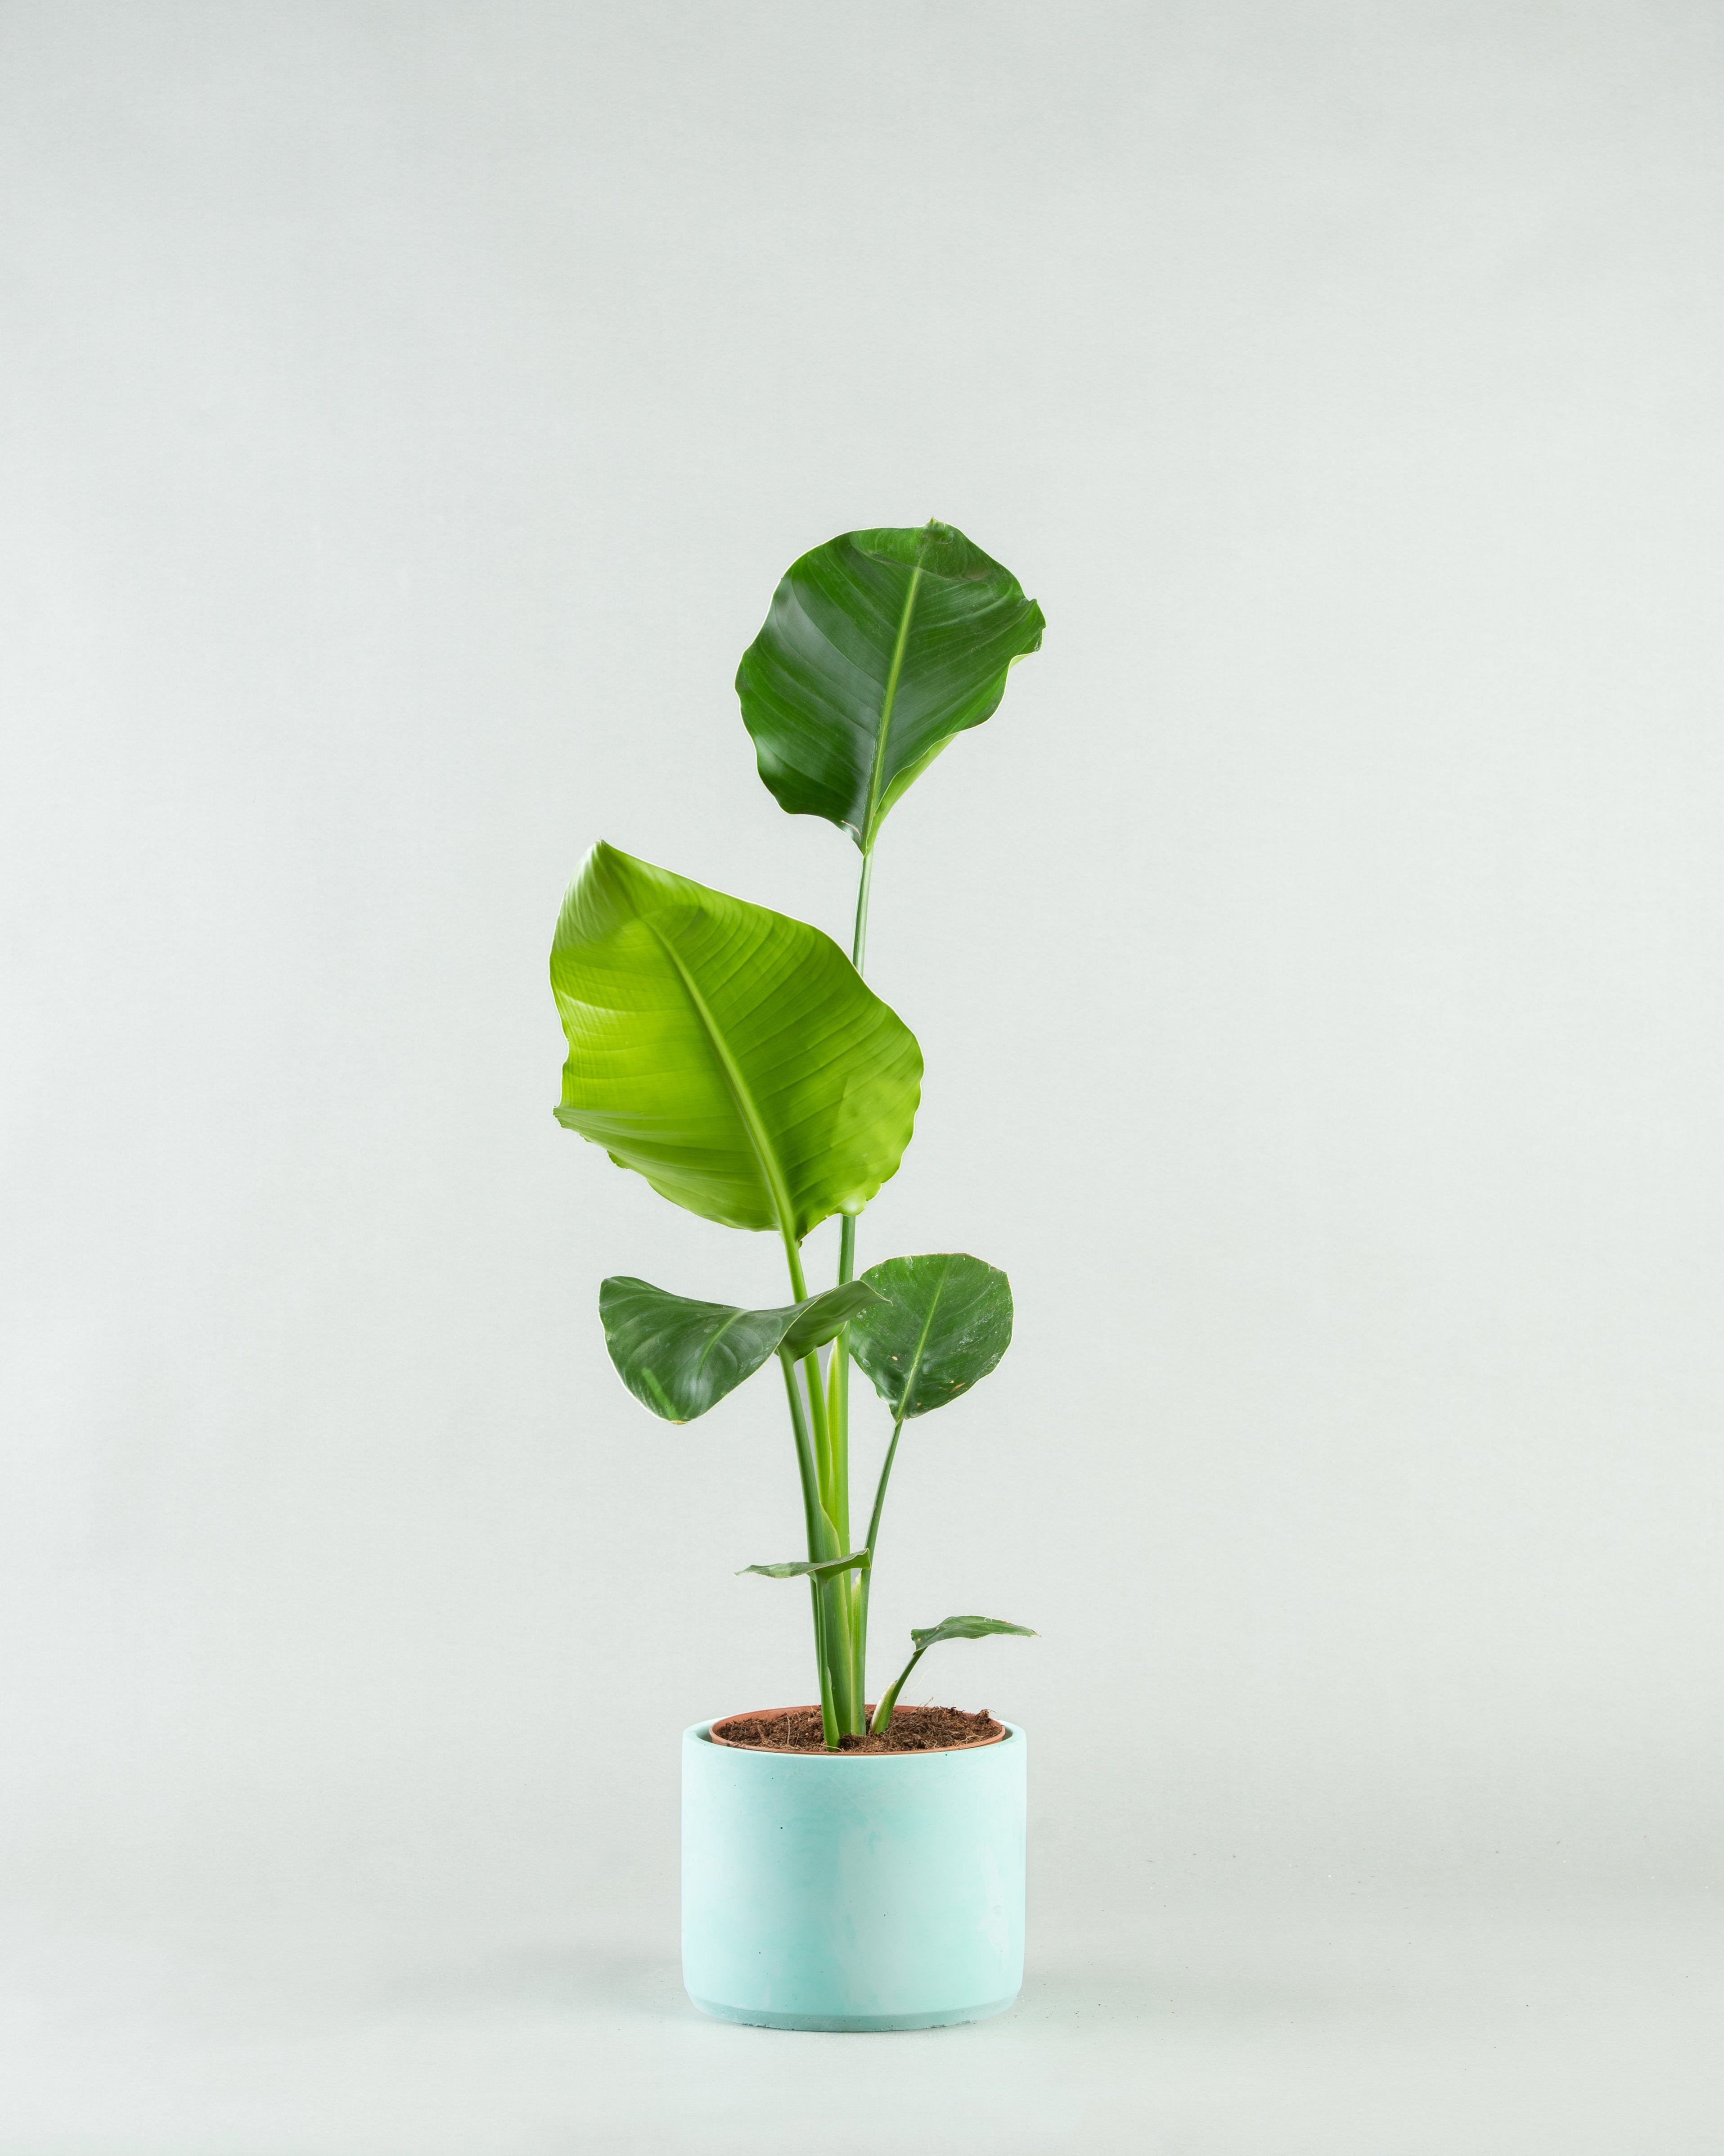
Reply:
x=680, y=1357
x=811, y=1567
x=965, y=1628
x=942, y=1322
x=732, y=1056
x=948, y=1628
x=880, y=646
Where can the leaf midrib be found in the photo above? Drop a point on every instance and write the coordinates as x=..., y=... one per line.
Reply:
x=772, y=1171
x=871, y=804
x=736, y=1317
x=915, y=1360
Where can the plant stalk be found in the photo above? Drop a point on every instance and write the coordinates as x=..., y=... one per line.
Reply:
x=853, y=1590
x=859, y=942
x=819, y=1527
x=841, y=1589
x=882, y=1720
x=836, y=1628
x=828, y=1710
x=880, y=1499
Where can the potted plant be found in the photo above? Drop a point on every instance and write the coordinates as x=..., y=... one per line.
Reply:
x=845, y=1864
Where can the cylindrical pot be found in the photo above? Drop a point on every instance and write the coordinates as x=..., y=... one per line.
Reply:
x=853, y=1890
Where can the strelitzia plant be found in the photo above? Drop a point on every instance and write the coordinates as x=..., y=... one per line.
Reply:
x=740, y=1062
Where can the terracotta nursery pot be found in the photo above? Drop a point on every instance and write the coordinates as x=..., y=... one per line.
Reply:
x=853, y=1890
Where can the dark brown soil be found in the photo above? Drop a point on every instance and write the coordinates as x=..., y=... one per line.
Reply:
x=914, y=1729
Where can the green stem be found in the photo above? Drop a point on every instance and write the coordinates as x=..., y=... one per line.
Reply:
x=880, y=1499
x=879, y=1494
x=883, y=1713
x=842, y=1588
x=817, y=1403
x=854, y=1591
x=829, y=1706
x=857, y=1597
x=837, y=1628
x=840, y=1654
x=818, y=1528
x=859, y=942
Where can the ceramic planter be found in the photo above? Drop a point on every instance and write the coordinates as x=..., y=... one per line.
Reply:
x=853, y=1891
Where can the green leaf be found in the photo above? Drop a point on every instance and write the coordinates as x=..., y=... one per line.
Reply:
x=680, y=1357
x=811, y=1567
x=943, y=1322
x=965, y=1628
x=880, y=647
x=948, y=1628
x=823, y=1317
x=730, y=1055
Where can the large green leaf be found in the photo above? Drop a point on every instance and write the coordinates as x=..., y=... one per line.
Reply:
x=680, y=1357
x=879, y=648
x=730, y=1055
x=942, y=1323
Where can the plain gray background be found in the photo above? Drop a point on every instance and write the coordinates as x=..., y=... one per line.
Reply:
x=408, y=413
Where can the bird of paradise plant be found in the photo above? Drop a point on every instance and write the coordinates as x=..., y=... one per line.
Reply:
x=740, y=1062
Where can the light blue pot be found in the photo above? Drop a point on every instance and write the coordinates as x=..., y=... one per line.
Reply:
x=873, y=1891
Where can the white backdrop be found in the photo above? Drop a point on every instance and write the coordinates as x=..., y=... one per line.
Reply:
x=410, y=410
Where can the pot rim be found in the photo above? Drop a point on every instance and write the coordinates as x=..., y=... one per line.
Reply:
x=709, y=1731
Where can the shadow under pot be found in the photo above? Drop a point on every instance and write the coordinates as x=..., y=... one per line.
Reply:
x=853, y=1890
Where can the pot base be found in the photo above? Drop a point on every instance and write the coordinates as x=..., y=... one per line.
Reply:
x=760, y=2017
